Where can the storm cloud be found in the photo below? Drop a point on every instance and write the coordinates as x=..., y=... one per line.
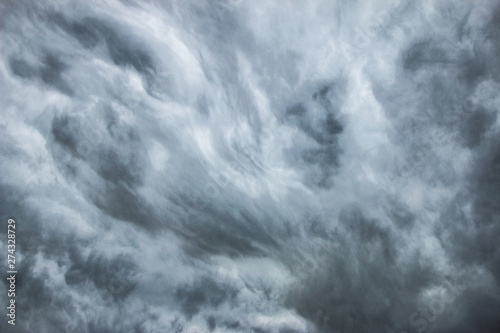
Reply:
x=251, y=166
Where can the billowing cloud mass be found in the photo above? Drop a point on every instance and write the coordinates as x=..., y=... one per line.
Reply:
x=251, y=166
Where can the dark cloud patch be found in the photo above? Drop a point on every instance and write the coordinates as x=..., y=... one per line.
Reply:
x=13, y=204
x=123, y=203
x=339, y=296
x=423, y=54
x=473, y=65
x=205, y=292
x=231, y=324
x=114, y=276
x=86, y=31
x=49, y=70
x=368, y=231
x=487, y=186
x=480, y=312
x=475, y=127
x=65, y=129
x=32, y=286
x=212, y=323
x=117, y=156
x=399, y=213
x=470, y=233
x=317, y=118
x=492, y=33
x=259, y=330
x=219, y=232
x=124, y=54
x=322, y=127
x=123, y=50
x=440, y=96
x=297, y=110
x=35, y=292
x=288, y=330
x=117, y=167
x=473, y=309
x=22, y=68
x=451, y=82
x=468, y=230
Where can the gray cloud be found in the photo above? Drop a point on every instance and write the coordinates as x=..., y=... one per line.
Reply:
x=235, y=166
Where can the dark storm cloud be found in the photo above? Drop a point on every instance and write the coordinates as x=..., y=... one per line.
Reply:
x=362, y=287
x=424, y=54
x=192, y=166
x=49, y=71
x=205, y=292
x=473, y=219
x=124, y=49
x=102, y=272
x=220, y=232
x=116, y=153
x=399, y=213
x=453, y=84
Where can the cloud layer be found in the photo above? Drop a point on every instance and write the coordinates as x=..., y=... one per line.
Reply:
x=252, y=166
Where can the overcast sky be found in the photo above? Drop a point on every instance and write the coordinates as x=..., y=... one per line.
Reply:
x=251, y=166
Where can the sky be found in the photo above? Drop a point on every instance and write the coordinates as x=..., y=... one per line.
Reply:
x=251, y=166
